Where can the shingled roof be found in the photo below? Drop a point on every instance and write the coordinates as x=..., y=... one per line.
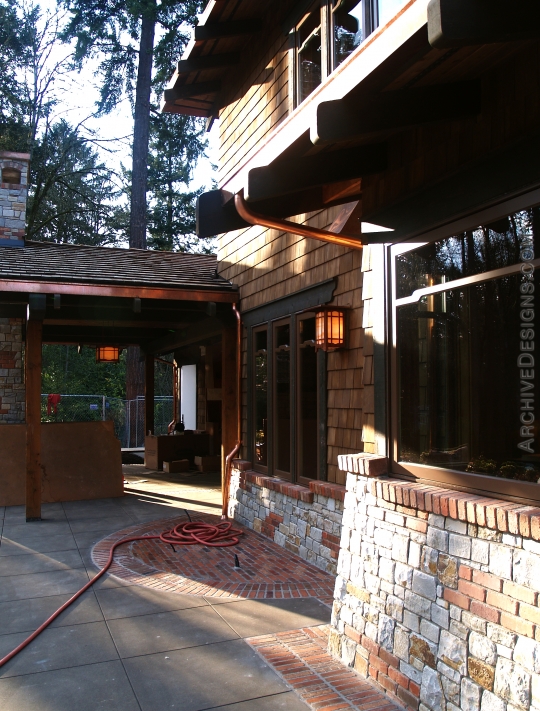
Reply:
x=51, y=262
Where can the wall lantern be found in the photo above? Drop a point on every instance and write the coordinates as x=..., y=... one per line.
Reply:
x=107, y=354
x=330, y=328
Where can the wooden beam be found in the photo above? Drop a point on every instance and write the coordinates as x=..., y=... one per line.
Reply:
x=217, y=30
x=33, y=419
x=292, y=176
x=208, y=61
x=346, y=120
x=144, y=292
x=460, y=23
x=229, y=388
x=149, y=395
x=201, y=331
x=185, y=91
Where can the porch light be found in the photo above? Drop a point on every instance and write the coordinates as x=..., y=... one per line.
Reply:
x=330, y=328
x=107, y=354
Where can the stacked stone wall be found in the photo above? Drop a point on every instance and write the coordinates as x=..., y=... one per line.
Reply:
x=12, y=393
x=304, y=520
x=437, y=596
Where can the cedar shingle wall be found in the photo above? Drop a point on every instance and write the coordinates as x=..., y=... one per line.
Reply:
x=267, y=264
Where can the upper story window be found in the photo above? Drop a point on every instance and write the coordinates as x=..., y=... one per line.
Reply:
x=329, y=32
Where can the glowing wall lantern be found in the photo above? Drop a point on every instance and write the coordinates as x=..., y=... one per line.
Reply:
x=330, y=328
x=107, y=354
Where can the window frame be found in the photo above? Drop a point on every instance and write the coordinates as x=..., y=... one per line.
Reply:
x=270, y=469
x=511, y=489
x=370, y=22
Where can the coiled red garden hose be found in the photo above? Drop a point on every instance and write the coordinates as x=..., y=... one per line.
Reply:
x=188, y=533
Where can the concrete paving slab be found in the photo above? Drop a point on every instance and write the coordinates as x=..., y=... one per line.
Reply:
x=49, y=512
x=40, y=562
x=202, y=677
x=28, y=615
x=256, y=617
x=22, y=532
x=38, y=544
x=2, y=511
x=58, y=648
x=121, y=602
x=88, y=688
x=20, y=587
x=288, y=701
x=87, y=539
x=166, y=631
x=110, y=523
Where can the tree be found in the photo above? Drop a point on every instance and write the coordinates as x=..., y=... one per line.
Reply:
x=123, y=33
x=70, y=190
x=176, y=144
x=69, y=187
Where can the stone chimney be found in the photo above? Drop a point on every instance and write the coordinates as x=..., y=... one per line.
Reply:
x=13, y=194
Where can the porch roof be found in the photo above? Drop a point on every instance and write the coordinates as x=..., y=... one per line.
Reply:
x=52, y=263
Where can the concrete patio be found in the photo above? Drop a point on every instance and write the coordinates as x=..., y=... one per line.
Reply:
x=125, y=647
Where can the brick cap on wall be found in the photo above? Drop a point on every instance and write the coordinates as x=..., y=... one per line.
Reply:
x=496, y=514
x=363, y=463
x=295, y=491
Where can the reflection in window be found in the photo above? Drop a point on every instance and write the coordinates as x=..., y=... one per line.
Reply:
x=261, y=397
x=488, y=247
x=348, y=28
x=388, y=8
x=307, y=401
x=458, y=350
x=282, y=408
x=309, y=54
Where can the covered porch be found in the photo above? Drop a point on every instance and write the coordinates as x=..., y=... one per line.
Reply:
x=93, y=296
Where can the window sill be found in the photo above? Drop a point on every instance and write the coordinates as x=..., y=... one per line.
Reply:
x=294, y=491
x=496, y=514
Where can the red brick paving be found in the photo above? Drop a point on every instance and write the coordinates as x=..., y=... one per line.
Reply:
x=322, y=682
x=266, y=570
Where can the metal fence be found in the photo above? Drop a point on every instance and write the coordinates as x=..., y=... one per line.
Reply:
x=127, y=415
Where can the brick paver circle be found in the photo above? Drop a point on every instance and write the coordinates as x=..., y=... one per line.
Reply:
x=265, y=569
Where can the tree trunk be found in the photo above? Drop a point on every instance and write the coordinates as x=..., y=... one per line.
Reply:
x=141, y=125
x=137, y=228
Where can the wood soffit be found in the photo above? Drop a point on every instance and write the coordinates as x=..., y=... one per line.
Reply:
x=223, y=31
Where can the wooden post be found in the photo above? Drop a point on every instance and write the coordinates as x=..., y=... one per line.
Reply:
x=34, y=331
x=229, y=387
x=149, y=395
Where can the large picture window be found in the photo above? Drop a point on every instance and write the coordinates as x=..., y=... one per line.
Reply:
x=464, y=357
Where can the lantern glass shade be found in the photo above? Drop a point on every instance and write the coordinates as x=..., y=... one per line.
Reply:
x=330, y=329
x=107, y=354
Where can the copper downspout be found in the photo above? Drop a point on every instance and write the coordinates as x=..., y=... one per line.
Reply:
x=229, y=458
x=294, y=228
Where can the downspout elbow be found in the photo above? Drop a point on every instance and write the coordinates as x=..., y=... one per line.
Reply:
x=254, y=218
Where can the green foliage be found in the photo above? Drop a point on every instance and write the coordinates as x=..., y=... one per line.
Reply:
x=71, y=190
x=176, y=143
x=67, y=372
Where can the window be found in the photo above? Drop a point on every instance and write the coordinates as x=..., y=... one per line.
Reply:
x=287, y=399
x=329, y=32
x=464, y=357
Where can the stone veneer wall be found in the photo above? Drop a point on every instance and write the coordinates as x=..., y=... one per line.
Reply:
x=437, y=595
x=13, y=198
x=12, y=395
x=304, y=520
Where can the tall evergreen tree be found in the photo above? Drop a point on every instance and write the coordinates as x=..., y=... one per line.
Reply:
x=122, y=34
